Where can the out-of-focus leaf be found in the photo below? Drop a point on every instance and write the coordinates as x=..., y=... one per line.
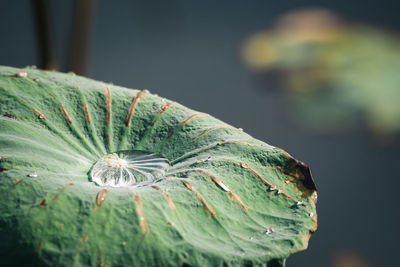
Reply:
x=337, y=74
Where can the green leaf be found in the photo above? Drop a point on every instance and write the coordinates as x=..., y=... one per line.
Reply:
x=94, y=174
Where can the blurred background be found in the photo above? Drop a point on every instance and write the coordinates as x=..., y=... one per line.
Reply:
x=320, y=79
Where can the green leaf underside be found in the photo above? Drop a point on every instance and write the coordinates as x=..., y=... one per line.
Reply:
x=228, y=199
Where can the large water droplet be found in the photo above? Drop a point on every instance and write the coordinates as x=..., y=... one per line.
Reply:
x=129, y=168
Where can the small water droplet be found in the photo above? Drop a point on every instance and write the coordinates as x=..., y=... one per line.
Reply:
x=32, y=175
x=129, y=168
x=22, y=74
x=243, y=165
x=204, y=160
x=224, y=187
x=269, y=231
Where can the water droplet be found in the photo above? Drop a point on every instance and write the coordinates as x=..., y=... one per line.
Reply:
x=243, y=165
x=204, y=160
x=269, y=231
x=22, y=74
x=32, y=175
x=129, y=168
